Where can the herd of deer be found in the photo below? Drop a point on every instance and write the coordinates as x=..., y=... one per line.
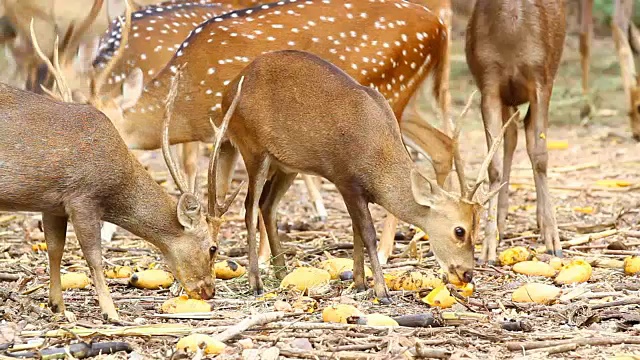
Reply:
x=326, y=88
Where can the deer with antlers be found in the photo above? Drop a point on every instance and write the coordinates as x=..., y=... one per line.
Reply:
x=624, y=34
x=281, y=91
x=80, y=170
x=498, y=34
x=390, y=46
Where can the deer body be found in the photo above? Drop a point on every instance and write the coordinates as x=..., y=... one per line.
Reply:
x=287, y=90
x=513, y=49
x=69, y=162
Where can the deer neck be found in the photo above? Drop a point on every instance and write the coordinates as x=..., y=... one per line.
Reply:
x=143, y=123
x=143, y=208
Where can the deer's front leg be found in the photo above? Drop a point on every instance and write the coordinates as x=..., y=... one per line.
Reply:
x=55, y=231
x=86, y=223
x=257, y=170
x=510, y=143
x=536, y=125
x=492, y=119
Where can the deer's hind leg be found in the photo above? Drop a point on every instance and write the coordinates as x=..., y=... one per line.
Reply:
x=55, y=230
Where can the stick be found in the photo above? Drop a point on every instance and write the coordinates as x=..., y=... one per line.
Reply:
x=588, y=237
x=9, y=277
x=593, y=341
x=256, y=320
x=422, y=351
x=554, y=349
x=623, y=302
x=307, y=354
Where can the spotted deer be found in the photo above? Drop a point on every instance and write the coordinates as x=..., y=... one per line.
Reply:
x=498, y=34
x=355, y=143
x=80, y=170
x=391, y=46
x=624, y=34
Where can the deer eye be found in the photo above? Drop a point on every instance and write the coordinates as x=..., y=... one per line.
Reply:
x=460, y=232
x=212, y=250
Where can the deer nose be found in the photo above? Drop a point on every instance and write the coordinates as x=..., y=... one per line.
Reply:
x=467, y=276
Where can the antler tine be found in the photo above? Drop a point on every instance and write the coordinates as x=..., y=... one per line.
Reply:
x=99, y=80
x=216, y=209
x=166, y=151
x=457, y=157
x=494, y=147
x=76, y=35
x=62, y=88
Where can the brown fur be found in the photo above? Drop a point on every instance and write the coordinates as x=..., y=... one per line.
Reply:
x=513, y=49
x=285, y=94
x=69, y=162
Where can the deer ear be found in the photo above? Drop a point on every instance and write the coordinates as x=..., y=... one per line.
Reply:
x=424, y=190
x=189, y=211
x=87, y=51
x=131, y=89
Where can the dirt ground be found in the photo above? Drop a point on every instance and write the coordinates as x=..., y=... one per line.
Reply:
x=590, y=215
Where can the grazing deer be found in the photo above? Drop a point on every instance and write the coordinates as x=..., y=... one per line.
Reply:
x=624, y=34
x=282, y=91
x=513, y=49
x=79, y=170
x=391, y=46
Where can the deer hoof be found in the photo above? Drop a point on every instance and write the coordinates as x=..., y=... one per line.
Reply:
x=385, y=301
x=558, y=253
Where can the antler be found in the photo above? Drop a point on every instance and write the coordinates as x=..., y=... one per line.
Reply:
x=98, y=81
x=166, y=151
x=215, y=208
x=485, y=164
x=54, y=68
x=457, y=158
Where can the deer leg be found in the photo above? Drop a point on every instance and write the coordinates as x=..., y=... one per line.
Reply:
x=264, y=250
x=359, y=280
x=492, y=118
x=586, y=34
x=510, y=143
x=315, y=196
x=86, y=223
x=257, y=172
x=536, y=125
x=55, y=231
x=363, y=226
x=280, y=183
x=226, y=167
x=620, y=26
x=190, y=152
x=387, y=239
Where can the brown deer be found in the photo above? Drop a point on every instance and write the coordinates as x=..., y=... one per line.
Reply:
x=391, y=46
x=282, y=91
x=624, y=34
x=513, y=50
x=80, y=170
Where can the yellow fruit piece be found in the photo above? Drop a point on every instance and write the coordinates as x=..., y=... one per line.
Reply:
x=192, y=342
x=182, y=304
x=411, y=281
x=228, y=269
x=613, y=183
x=304, y=278
x=39, y=247
x=440, y=297
x=305, y=304
x=534, y=268
x=557, y=144
x=537, y=293
x=514, y=255
x=74, y=280
x=380, y=320
x=556, y=263
x=632, y=265
x=624, y=357
x=337, y=266
x=576, y=271
x=119, y=272
x=584, y=210
x=151, y=279
x=339, y=313
x=465, y=290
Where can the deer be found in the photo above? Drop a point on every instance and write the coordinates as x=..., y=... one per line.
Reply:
x=498, y=34
x=285, y=90
x=370, y=41
x=625, y=35
x=92, y=176
x=80, y=170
